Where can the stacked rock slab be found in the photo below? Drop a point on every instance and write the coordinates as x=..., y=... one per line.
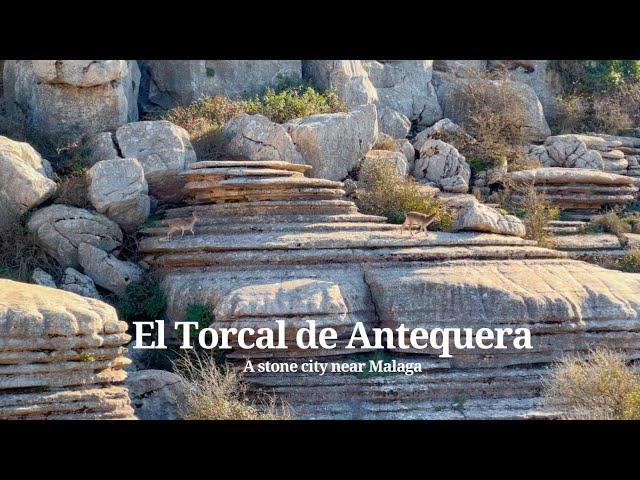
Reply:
x=61, y=356
x=255, y=260
x=620, y=154
x=579, y=192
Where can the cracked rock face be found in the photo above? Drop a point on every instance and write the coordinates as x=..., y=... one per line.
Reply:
x=333, y=143
x=156, y=394
x=455, y=97
x=405, y=86
x=255, y=137
x=60, y=229
x=25, y=180
x=478, y=217
x=570, y=152
x=163, y=149
x=441, y=163
x=67, y=99
x=393, y=123
x=75, y=282
x=106, y=270
x=118, y=189
x=348, y=78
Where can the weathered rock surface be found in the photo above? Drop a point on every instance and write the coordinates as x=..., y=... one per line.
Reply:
x=100, y=146
x=167, y=83
x=163, y=149
x=577, y=190
x=255, y=137
x=67, y=99
x=393, y=123
x=118, y=189
x=444, y=126
x=106, y=270
x=321, y=260
x=455, y=97
x=243, y=77
x=61, y=356
x=570, y=152
x=461, y=68
x=441, y=163
x=405, y=86
x=60, y=229
x=347, y=78
x=332, y=143
x=478, y=217
x=42, y=278
x=75, y=282
x=25, y=180
x=156, y=394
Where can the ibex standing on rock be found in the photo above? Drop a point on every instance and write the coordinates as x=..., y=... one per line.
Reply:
x=182, y=224
x=419, y=219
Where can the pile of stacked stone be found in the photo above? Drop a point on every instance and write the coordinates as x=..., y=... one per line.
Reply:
x=579, y=192
x=61, y=356
x=254, y=261
x=609, y=153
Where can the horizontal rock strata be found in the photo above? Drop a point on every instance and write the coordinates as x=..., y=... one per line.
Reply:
x=256, y=262
x=61, y=356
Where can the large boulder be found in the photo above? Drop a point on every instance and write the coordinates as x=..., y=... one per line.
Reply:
x=244, y=77
x=333, y=143
x=545, y=82
x=156, y=394
x=163, y=149
x=478, y=217
x=255, y=137
x=60, y=229
x=570, y=152
x=457, y=96
x=106, y=270
x=347, y=78
x=67, y=99
x=25, y=180
x=441, y=163
x=397, y=159
x=167, y=83
x=393, y=123
x=405, y=86
x=62, y=356
x=118, y=189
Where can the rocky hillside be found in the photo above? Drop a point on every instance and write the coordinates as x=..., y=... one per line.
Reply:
x=253, y=191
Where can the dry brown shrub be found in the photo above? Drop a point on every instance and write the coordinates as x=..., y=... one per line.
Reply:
x=73, y=189
x=385, y=143
x=597, y=386
x=219, y=393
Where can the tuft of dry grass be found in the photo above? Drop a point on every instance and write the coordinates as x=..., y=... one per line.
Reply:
x=609, y=223
x=20, y=255
x=219, y=393
x=385, y=143
x=73, y=189
x=630, y=262
x=535, y=211
x=600, y=386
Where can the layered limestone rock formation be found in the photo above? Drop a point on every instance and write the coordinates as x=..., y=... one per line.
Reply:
x=255, y=260
x=579, y=192
x=66, y=99
x=61, y=356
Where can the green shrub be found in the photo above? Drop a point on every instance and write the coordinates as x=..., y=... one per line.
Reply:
x=589, y=76
x=142, y=301
x=196, y=313
x=600, y=386
x=387, y=193
x=630, y=262
x=609, y=223
x=206, y=114
x=20, y=255
x=293, y=100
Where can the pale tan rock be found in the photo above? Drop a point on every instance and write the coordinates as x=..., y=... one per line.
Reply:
x=60, y=229
x=106, y=270
x=25, y=180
